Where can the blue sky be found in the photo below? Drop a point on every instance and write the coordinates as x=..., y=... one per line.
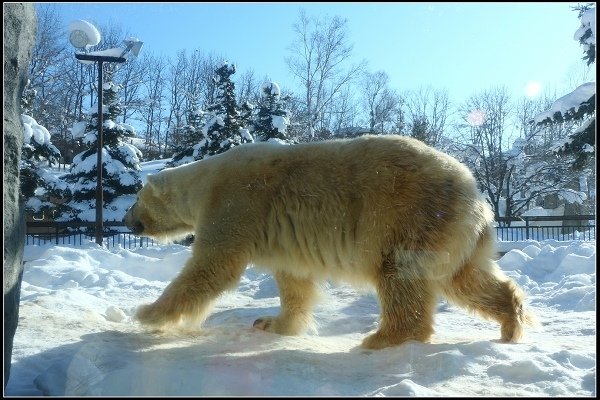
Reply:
x=463, y=47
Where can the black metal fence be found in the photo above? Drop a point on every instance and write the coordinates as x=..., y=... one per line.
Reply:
x=77, y=233
x=561, y=228
x=509, y=229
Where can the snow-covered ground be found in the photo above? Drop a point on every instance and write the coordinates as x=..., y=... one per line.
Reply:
x=76, y=336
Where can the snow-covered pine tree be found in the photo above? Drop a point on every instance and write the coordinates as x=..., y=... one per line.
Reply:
x=187, y=135
x=120, y=164
x=579, y=105
x=192, y=132
x=272, y=117
x=246, y=113
x=37, y=182
x=226, y=125
x=190, y=135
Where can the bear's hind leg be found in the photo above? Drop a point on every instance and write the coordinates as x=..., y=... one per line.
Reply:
x=297, y=297
x=483, y=288
x=190, y=295
x=407, y=303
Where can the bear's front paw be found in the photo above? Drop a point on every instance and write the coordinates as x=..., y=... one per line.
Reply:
x=151, y=315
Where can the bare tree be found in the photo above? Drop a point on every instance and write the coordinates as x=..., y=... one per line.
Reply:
x=132, y=76
x=191, y=89
x=48, y=54
x=67, y=104
x=295, y=130
x=198, y=75
x=153, y=106
x=112, y=35
x=535, y=172
x=319, y=53
x=379, y=101
x=191, y=86
x=485, y=139
x=248, y=87
x=60, y=83
x=427, y=112
x=343, y=111
x=208, y=63
x=510, y=157
x=176, y=96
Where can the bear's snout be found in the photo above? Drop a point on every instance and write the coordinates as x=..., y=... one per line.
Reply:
x=137, y=228
x=134, y=225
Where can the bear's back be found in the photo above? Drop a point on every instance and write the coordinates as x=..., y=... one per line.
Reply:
x=366, y=156
x=347, y=203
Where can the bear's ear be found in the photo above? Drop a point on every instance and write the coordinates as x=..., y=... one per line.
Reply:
x=157, y=183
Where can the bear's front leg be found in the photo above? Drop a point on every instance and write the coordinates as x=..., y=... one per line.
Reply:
x=190, y=296
x=297, y=297
x=407, y=304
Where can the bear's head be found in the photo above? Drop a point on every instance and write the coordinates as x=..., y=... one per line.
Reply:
x=153, y=214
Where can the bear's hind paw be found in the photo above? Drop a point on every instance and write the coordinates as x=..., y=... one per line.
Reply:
x=281, y=326
x=264, y=324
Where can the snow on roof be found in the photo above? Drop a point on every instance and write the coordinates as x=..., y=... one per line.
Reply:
x=572, y=101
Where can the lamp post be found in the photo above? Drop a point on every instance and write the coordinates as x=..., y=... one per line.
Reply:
x=83, y=34
x=99, y=192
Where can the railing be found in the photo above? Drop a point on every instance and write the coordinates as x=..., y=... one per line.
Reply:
x=77, y=233
x=560, y=228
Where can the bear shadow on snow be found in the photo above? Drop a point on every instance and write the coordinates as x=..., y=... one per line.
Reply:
x=97, y=364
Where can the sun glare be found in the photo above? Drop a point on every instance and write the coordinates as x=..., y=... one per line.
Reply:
x=532, y=89
x=476, y=118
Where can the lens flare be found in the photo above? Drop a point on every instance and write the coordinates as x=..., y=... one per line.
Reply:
x=476, y=117
x=532, y=89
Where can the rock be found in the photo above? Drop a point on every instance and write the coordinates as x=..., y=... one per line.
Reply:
x=19, y=36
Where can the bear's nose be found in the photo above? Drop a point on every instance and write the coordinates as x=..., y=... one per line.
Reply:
x=137, y=228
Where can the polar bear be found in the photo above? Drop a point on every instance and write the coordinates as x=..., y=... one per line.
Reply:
x=388, y=211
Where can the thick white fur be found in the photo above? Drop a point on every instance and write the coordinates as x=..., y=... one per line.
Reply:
x=386, y=211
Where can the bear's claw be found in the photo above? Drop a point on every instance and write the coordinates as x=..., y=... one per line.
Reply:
x=262, y=323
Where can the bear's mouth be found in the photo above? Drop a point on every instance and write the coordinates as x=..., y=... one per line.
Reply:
x=137, y=228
